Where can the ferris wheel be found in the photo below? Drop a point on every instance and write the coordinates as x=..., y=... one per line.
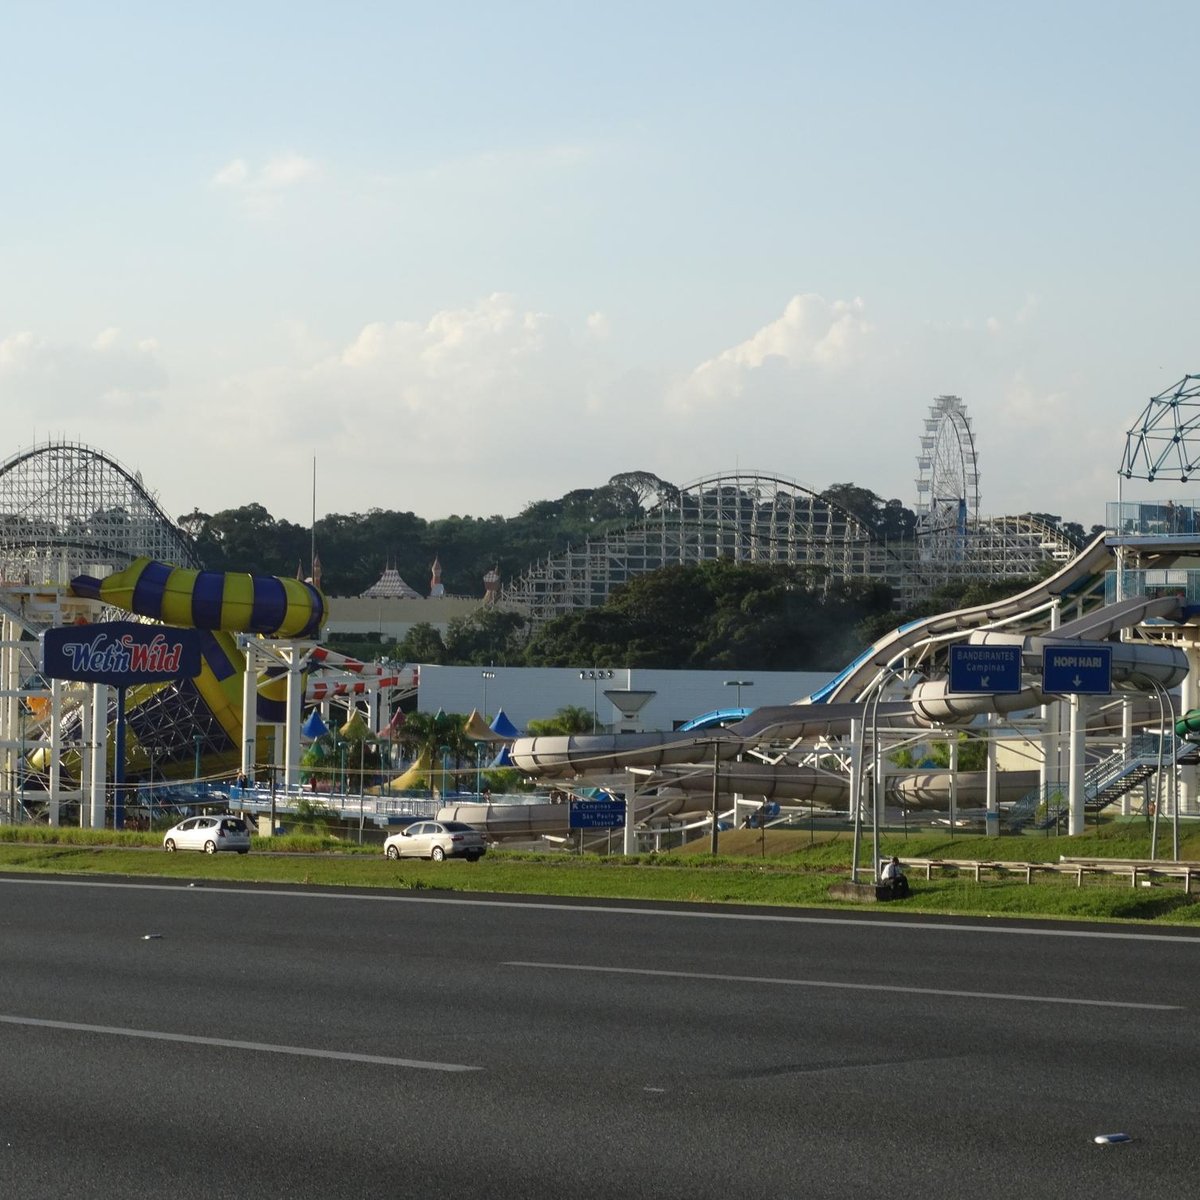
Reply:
x=947, y=482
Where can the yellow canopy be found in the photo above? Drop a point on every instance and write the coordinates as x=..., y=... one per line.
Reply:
x=416, y=776
x=478, y=730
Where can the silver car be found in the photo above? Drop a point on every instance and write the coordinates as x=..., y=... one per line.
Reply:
x=437, y=840
x=209, y=834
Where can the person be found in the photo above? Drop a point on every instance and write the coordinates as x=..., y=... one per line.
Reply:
x=487, y=794
x=894, y=879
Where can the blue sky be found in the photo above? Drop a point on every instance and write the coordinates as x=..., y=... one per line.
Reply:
x=474, y=255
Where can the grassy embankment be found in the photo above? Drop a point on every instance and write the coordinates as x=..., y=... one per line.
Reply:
x=792, y=868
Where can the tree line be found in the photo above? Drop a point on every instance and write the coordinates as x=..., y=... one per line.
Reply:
x=711, y=615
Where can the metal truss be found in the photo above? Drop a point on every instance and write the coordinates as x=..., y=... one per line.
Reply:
x=947, y=482
x=760, y=518
x=67, y=510
x=1166, y=437
x=997, y=548
x=744, y=517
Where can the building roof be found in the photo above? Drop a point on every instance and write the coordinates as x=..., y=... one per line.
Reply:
x=391, y=586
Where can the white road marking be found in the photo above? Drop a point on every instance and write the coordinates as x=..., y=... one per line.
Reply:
x=233, y=1044
x=854, y=987
x=784, y=917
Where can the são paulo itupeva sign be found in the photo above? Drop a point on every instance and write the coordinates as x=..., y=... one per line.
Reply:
x=120, y=653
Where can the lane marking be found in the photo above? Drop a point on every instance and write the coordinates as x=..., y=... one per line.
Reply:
x=624, y=910
x=852, y=987
x=233, y=1044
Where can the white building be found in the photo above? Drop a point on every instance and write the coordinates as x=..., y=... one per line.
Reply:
x=625, y=699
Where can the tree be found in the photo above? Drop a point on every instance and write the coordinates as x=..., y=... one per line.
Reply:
x=570, y=719
x=972, y=753
x=422, y=644
x=485, y=638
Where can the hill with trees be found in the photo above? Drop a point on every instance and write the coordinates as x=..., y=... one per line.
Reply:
x=710, y=615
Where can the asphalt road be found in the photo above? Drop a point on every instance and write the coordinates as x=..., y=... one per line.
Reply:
x=165, y=1040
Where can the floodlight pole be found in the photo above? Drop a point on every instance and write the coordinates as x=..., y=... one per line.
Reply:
x=716, y=770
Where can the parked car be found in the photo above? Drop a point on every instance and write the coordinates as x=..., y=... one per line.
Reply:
x=209, y=834
x=437, y=840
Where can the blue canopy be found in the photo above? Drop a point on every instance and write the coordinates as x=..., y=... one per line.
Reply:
x=503, y=726
x=313, y=726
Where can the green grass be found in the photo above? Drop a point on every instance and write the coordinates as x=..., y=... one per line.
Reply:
x=794, y=873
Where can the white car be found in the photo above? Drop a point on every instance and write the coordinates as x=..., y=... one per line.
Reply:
x=437, y=840
x=209, y=834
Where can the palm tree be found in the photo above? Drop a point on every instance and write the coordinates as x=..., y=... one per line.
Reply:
x=572, y=718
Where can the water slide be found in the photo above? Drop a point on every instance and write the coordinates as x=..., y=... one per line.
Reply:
x=170, y=725
x=682, y=760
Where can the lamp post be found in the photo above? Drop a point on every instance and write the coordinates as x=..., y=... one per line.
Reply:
x=739, y=684
x=198, y=739
x=886, y=674
x=362, y=750
x=595, y=675
x=485, y=676
x=150, y=790
x=445, y=752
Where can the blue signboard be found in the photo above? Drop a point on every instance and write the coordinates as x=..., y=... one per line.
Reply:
x=597, y=814
x=1080, y=669
x=985, y=669
x=121, y=653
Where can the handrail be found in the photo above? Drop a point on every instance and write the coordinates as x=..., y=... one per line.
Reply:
x=1138, y=870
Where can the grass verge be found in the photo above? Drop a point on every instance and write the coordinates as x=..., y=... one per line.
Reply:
x=795, y=872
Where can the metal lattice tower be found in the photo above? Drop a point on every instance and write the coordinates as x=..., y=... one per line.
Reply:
x=1166, y=438
x=746, y=517
x=66, y=510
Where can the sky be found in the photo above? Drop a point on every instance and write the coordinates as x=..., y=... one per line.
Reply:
x=472, y=255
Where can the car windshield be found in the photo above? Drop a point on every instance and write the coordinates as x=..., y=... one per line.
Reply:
x=234, y=826
x=456, y=827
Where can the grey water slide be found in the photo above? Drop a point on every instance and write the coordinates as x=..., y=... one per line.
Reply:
x=684, y=761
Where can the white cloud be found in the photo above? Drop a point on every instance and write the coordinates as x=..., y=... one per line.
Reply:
x=47, y=380
x=484, y=407
x=812, y=333
x=599, y=326
x=260, y=191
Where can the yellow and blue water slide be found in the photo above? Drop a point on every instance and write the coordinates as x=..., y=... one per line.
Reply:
x=218, y=600
x=166, y=719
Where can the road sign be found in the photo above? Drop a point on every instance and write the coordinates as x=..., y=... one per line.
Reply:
x=597, y=814
x=1081, y=669
x=985, y=668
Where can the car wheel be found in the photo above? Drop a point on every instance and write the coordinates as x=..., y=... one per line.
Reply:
x=472, y=858
x=243, y=851
x=392, y=852
x=169, y=845
x=437, y=854
x=210, y=847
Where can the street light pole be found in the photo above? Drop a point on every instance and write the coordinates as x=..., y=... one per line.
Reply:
x=485, y=676
x=595, y=675
x=739, y=684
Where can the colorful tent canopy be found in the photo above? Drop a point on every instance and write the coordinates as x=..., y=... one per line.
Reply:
x=504, y=728
x=313, y=726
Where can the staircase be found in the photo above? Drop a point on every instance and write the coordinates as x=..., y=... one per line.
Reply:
x=1108, y=780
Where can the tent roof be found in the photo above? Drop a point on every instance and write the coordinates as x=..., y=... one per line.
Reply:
x=504, y=727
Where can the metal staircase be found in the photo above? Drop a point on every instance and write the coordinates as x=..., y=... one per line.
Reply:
x=1106, y=781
